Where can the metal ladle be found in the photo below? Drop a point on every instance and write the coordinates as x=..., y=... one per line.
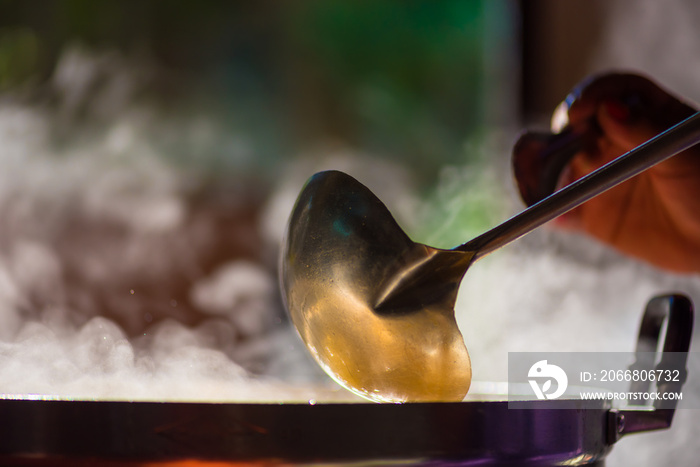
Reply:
x=376, y=310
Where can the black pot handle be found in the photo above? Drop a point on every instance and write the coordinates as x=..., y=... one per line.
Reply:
x=677, y=311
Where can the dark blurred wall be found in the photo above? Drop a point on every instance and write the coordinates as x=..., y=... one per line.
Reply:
x=560, y=40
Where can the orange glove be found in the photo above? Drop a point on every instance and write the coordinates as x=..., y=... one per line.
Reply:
x=656, y=215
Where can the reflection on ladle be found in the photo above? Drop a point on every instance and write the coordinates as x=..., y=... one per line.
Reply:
x=376, y=310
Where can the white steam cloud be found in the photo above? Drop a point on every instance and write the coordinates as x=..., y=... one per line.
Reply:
x=123, y=276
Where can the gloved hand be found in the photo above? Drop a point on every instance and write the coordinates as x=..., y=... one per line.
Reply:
x=656, y=215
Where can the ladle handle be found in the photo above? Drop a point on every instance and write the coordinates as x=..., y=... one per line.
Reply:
x=663, y=146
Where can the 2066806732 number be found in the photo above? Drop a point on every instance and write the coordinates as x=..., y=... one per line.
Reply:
x=661, y=376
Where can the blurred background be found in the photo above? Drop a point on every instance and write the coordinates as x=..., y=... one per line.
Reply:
x=407, y=80
x=151, y=151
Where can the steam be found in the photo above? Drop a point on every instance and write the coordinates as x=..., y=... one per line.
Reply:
x=548, y=291
x=129, y=272
x=123, y=276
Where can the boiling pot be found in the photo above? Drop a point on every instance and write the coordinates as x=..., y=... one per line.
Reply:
x=475, y=432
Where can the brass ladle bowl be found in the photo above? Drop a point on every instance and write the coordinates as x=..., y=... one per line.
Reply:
x=376, y=310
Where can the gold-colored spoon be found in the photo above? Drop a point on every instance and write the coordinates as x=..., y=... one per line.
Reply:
x=376, y=310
